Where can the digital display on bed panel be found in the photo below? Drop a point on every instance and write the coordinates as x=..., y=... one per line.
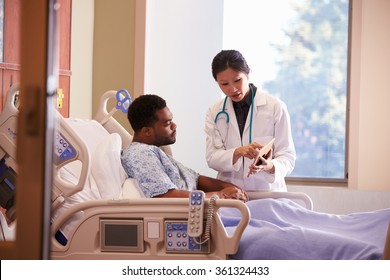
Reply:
x=121, y=235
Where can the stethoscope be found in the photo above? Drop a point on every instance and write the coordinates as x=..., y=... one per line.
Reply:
x=218, y=136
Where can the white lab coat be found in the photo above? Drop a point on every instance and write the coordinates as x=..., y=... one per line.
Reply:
x=270, y=120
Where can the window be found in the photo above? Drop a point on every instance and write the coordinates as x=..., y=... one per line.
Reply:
x=298, y=51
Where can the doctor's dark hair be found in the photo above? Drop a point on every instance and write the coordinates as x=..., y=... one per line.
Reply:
x=229, y=59
x=142, y=112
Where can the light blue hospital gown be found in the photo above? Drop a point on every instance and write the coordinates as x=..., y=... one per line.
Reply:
x=155, y=171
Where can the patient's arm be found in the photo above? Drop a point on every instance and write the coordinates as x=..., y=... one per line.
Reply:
x=212, y=186
x=222, y=189
x=175, y=193
x=184, y=193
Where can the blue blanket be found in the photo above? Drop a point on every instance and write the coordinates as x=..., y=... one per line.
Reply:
x=282, y=229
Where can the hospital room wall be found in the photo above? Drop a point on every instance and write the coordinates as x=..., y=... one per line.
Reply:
x=369, y=129
x=181, y=39
x=81, y=58
x=102, y=53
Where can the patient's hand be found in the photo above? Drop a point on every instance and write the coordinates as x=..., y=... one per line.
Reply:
x=233, y=193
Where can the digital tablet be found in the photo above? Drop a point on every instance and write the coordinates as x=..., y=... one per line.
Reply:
x=263, y=152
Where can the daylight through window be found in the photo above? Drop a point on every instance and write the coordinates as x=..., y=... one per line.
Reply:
x=298, y=51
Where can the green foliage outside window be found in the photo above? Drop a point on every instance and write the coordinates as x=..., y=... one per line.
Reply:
x=311, y=78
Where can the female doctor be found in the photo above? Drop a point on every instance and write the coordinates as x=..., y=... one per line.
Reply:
x=242, y=123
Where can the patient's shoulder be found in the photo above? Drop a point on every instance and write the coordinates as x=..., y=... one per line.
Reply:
x=141, y=150
x=138, y=147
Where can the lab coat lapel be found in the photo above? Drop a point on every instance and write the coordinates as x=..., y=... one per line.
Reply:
x=233, y=119
x=258, y=101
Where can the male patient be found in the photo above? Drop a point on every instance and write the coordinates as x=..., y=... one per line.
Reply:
x=159, y=174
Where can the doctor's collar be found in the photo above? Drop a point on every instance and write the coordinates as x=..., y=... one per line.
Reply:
x=247, y=101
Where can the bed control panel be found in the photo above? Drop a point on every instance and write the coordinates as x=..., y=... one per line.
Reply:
x=64, y=151
x=177, y=239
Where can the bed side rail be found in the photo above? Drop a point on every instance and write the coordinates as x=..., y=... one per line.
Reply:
x=302, y=197
x=68, y=147
x=105, y=117
x=84, y=242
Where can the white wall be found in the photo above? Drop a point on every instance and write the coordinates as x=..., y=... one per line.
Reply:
x=81, y=58
x=182, y=37
x=370, y=98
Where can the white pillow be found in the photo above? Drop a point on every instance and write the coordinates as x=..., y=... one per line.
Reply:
x=70, y=173
x=89, y=130
x=131, y=189
x=107, y=168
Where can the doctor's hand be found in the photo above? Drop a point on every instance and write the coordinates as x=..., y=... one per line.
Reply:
x=264, y=164
x=250, y=151
x=233, y=192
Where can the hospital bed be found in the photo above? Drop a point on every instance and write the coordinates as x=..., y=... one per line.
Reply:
x=100, y=214
x=159, y=224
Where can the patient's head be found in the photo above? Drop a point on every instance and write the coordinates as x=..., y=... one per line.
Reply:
x=151, y=121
